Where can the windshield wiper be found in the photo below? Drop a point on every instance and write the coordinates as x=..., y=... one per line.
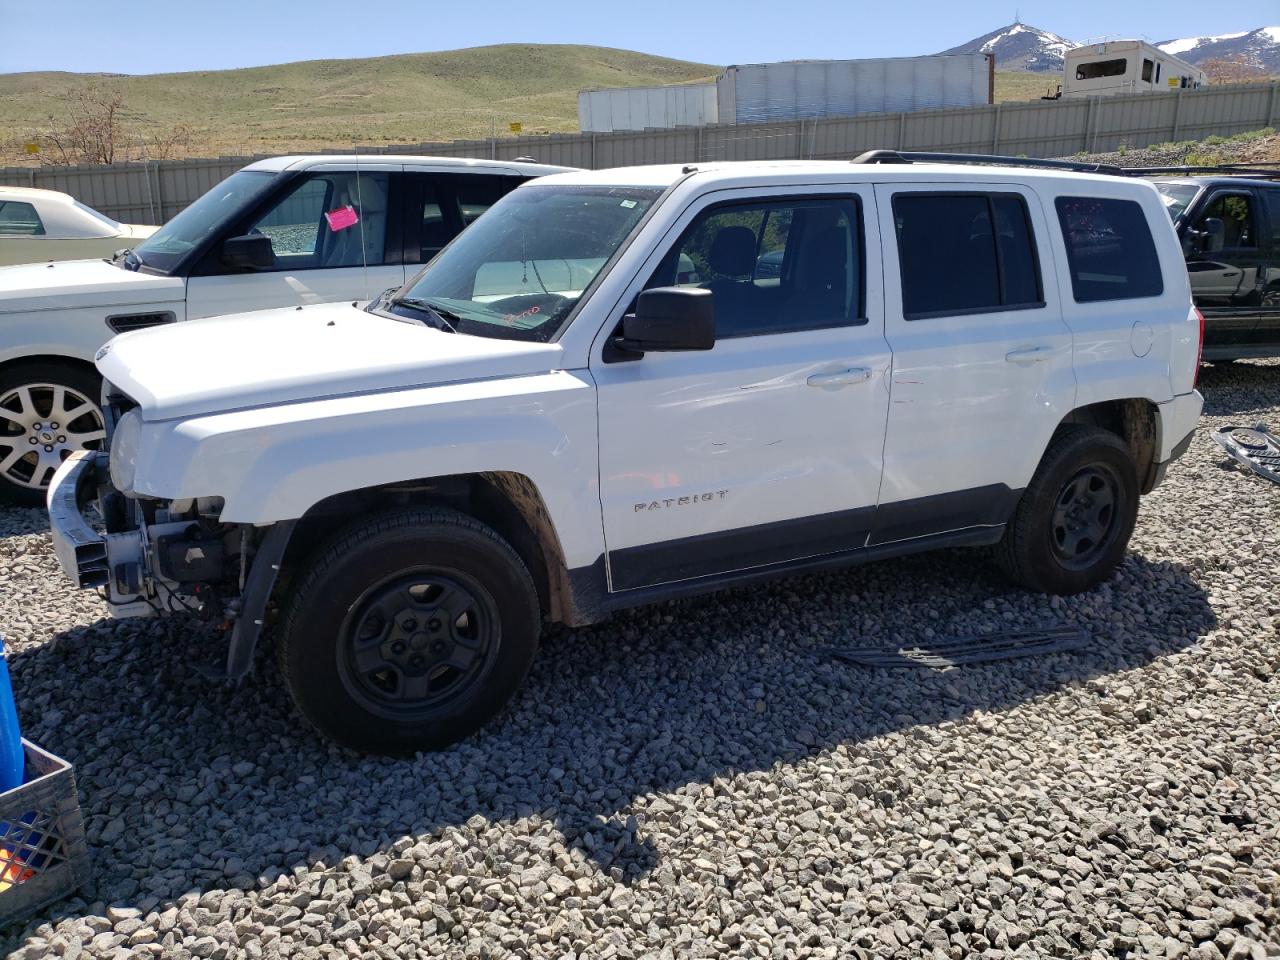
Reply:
x=445, y=319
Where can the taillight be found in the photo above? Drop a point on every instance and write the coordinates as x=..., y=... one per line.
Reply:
x=1200, y=346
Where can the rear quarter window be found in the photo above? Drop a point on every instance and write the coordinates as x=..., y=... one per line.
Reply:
x=1110, y=252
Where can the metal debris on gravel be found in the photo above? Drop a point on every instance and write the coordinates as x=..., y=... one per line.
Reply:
x=1252, y=446
x=982, y=648
x=700, y=780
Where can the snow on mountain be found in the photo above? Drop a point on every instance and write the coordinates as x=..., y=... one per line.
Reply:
x=1020, y=46
x=1258, y=48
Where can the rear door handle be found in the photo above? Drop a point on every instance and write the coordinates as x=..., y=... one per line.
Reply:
x=841, y=378
x=1025, y=355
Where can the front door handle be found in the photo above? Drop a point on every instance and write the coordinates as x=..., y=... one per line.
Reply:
x=841, y=378
x=1025, y=355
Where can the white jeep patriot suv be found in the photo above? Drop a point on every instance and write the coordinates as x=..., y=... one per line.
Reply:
x=627, y=385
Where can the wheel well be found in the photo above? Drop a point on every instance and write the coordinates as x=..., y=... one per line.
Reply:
x=83, y=366
x=508, y=502
x=1136, y=421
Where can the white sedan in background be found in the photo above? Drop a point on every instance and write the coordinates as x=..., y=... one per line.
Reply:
x=39, y=225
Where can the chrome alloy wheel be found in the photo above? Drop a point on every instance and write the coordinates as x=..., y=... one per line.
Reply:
x=41, y=424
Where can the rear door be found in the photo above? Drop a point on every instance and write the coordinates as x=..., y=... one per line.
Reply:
x=334, y=236
x=1267, y=333
x=981, y=355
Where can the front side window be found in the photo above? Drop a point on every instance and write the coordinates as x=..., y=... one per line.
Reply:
x=328, y=220
x=167, y=247
x=1101, y=68
x=519, y=272
x=19, y=219
x=1235, y=210
x=1110, y=252
x=773, y=267
x=965, y=253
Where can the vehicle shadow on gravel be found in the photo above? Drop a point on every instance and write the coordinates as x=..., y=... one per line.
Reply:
x=19, y=522
x=190, y=785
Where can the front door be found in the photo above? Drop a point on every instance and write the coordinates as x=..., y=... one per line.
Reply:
x=767, y=448
x=1227, y=274
x=981, y=354
x=329, y=235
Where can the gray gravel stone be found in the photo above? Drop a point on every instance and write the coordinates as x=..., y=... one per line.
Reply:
x=701, y=779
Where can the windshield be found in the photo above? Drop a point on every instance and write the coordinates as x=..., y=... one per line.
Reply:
x=1176, y=197
x=518, y=272
x=165, y=248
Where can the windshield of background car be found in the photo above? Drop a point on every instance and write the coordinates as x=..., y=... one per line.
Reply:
x=1176, y=197
x=520, y=270
x=167, y=247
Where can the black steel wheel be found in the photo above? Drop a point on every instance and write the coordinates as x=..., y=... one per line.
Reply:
x=414, y=644
x=1073, y=522
x=1084, y=517
x=408, y=631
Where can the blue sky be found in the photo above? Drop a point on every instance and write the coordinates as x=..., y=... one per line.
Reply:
x=153, y=36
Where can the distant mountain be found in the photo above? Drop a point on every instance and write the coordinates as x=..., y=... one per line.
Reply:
x=1255, y=48
x=1020, y=46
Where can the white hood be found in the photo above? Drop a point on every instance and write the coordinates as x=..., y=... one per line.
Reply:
x=70, y=284
x=300, y=353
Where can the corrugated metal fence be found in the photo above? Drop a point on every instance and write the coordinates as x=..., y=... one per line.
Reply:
x=154, y=192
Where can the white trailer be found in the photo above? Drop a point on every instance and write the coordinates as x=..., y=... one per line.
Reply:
x=800, y=89
x=1115, y=67
x=647, y=108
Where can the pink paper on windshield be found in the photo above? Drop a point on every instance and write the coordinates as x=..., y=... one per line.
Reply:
x=342, y=218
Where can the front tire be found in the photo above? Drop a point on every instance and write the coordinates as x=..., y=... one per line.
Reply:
x=48, y=410
x=409, y=631
x=1073, y=523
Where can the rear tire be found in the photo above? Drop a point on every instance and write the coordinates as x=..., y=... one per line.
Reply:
x=48, y=410
x=409, y=631
x=1073, y=523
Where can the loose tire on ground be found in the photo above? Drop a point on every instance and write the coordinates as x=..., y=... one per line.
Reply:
x=408, y=631
x=48, y=410
x=1063, y=538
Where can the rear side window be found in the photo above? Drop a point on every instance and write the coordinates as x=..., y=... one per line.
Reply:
x=1272, y=197
x=18, y=219
x=965, y=253
x=1109, y=249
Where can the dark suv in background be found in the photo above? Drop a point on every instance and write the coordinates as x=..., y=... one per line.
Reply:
x=1230, y=231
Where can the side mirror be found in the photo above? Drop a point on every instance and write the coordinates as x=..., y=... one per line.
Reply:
x=251, y=252
x=669, y=319
x=1212, y=233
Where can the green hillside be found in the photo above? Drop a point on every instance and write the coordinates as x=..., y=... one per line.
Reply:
x=326, y=103
x=315, y=104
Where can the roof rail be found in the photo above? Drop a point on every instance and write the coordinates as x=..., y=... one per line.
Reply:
x=903, y=156
x=1234, y=169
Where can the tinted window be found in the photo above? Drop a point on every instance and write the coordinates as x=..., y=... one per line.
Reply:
x=19, y=220
x=953, y=262
x=1272, y=197
x=328, y=220
x=1235, y=210
x=1103, y=68
x=1147, y=67
x=1109, y=249
x=772, y=267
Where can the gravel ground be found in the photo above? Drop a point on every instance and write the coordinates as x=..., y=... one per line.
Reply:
x=702, y=779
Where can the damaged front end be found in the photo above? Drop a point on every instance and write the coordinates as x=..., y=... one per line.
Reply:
x=150, y=556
